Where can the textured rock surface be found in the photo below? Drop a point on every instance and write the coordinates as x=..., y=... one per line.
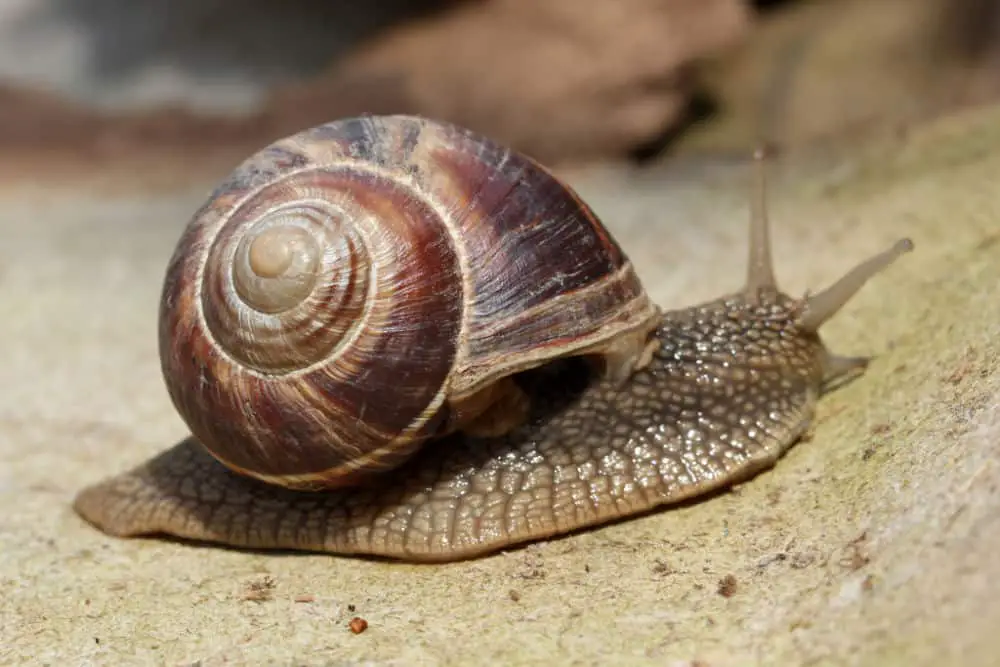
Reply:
x=874, y=542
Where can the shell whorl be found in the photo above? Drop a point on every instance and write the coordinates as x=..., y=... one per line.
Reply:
x=318, y=281
x=284, y=287
x=344, y=287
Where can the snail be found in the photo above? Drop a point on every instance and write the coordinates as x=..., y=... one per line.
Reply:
x=391, y=336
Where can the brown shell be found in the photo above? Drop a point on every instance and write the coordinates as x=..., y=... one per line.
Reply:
x=437, y=262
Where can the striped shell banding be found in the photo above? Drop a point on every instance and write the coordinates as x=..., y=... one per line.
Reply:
x=348, y=291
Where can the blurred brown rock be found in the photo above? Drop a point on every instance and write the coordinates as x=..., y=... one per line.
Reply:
x=560, y=79
x=817, y=73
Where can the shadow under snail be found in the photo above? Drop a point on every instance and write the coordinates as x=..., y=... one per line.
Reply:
x=391, y=336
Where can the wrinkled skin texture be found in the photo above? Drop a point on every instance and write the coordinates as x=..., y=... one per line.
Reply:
x=731, y=388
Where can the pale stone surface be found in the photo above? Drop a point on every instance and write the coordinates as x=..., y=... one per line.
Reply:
x=872, y=543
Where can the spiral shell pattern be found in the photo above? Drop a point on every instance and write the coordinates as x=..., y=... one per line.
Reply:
x=344, y=284
x=287, y=283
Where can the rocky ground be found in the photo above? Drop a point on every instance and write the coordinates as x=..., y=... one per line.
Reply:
x=872, y=543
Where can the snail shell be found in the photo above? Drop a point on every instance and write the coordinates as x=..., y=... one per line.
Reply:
x=360, y=287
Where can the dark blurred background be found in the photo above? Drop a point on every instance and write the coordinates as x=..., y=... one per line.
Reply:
x=568, y=81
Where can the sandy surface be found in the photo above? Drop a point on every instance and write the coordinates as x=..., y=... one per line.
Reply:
x=871, y=543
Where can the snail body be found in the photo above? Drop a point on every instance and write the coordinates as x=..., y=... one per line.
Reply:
x=488, y=426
